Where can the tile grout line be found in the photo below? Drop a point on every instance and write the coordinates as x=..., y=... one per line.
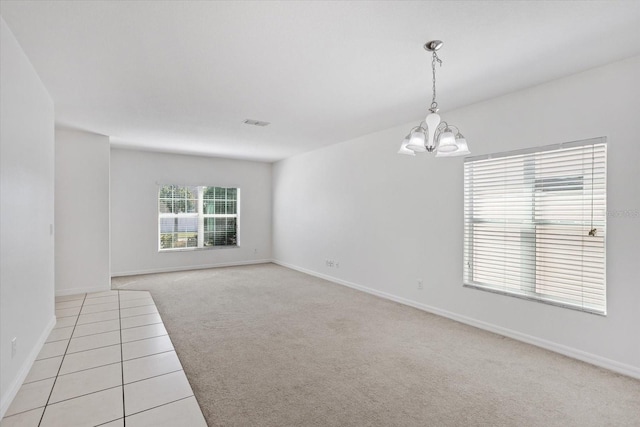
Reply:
x=124, y=418
x=164, y=404
x=146, y=324
x=142, y=339
x=104, y=300
x=109, y=422
x=148, y=338
x=61, y=362
x=67, y=316
x=95, y=348
x=140, y=315
x=108, y=388
x=66, y=353
x=152, y=354
x=101, y=311
x=160, y=375
x=47, y=358
x=143, y=305
x=143, y=314
x=20, y=413
x=96, y=333
x=86, y=369
x=85, y=394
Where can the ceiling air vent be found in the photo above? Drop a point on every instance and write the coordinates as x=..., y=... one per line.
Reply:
x=256, y=123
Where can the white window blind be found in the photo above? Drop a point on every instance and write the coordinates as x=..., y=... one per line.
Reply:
x=197, y=217
x=535, y=224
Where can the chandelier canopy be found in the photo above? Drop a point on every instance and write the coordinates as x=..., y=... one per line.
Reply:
x=433, y=134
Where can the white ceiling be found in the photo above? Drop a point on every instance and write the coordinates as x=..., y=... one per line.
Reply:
x=182, y=76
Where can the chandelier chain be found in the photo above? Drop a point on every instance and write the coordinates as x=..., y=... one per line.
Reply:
x=434, y=104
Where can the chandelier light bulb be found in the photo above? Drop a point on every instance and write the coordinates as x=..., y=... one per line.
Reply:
x=403, y=148
x=461, y=142
x=462, y=150
x=417, y=141
x=447, y=142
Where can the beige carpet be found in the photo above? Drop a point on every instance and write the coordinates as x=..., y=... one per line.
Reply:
x=267, y=346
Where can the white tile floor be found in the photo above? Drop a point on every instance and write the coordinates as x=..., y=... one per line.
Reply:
x=109, y=362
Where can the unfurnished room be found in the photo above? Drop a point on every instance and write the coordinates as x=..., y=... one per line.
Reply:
x=319, y=213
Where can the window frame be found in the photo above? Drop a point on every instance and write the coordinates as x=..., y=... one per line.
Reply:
x=534, y=184
x=200, y=216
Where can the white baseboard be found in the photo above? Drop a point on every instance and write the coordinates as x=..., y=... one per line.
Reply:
x=190, y=267
x=75, y=291
x=603, y=362
x=15, y=385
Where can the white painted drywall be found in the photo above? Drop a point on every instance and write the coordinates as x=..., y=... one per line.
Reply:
x=82, y=212
x=390, y=220
x=27, y=218
x=136, y=177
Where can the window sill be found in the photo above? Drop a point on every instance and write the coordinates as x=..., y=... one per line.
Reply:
x=207, y=248
x=540, y=299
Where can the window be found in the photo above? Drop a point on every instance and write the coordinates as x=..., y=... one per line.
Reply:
x=535, y=224
x=197, y=217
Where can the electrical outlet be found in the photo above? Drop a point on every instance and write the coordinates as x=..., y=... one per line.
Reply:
x=420, y=284
x=14, y=346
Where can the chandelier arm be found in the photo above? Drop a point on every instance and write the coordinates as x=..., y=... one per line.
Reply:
x=452, y=127
x=442, y=127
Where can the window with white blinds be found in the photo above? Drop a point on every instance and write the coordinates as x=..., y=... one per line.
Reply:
x=197, y=217
x=535, y=224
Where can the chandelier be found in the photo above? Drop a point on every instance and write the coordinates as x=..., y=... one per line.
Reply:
x=433, y=134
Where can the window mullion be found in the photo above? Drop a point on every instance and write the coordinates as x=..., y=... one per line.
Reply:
x=200, y=217
x=528, y=233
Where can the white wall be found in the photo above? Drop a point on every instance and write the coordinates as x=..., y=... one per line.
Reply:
x=136, y=177
x=82, y=212
x=26, y=222
x=390, y=220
